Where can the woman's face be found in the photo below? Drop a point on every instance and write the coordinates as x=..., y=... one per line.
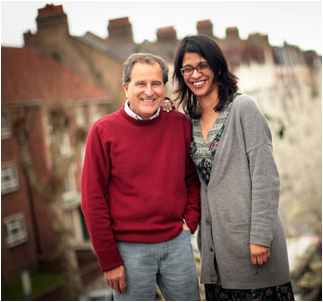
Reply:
x=199, y=82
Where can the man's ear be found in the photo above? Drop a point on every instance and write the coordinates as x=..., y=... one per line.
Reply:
x=125, y=87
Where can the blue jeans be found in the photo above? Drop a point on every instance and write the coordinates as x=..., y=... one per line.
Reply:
x=170, y=264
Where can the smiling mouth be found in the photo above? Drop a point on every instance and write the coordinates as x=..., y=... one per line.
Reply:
x=147, y=100
x=196, y=84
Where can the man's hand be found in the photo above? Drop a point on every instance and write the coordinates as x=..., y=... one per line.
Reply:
x=259, y=254
x=185, y=227
x=116, y=279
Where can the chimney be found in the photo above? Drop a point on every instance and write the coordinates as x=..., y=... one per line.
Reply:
x=30, y=39
x=52, y=18
x=205, y=27
x=259, y=38
x=232, y=33
x=120, y=29
x=166, y=34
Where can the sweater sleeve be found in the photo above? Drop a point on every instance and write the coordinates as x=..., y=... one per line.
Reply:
x=193, y=210
x=264, y=175
x=265, y=195
x=94, y=204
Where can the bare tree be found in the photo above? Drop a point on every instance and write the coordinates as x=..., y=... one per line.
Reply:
x=51, y=188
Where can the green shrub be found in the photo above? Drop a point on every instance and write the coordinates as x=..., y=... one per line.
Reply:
x=40, y=281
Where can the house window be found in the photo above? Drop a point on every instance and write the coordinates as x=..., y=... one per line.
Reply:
x=94, y=113
x=69, y=184
x=79, y=116
x=68, y=187
x=66, y=145
x=5, y=126
x=9, y=178
x=15, y=230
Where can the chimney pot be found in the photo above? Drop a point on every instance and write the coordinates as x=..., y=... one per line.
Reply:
x=52, y=18
x=50, y=8
x=124, y=20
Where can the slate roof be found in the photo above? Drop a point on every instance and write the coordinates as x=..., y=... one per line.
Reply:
x=120, y=50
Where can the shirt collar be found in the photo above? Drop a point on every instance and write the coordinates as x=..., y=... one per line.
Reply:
x=134, y=115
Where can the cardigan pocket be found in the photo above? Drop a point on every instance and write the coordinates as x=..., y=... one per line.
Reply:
x=237, y=239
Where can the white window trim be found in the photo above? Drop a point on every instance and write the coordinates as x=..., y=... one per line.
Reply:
x=14, y=186
x=16, y=221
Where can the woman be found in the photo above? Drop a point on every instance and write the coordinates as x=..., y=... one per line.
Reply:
x=241, y=236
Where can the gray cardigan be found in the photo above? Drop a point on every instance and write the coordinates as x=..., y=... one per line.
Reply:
x=240, y=205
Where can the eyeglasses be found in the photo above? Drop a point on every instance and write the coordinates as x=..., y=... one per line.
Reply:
x=202, y=67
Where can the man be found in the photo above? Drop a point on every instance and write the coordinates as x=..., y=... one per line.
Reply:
x=140, y=191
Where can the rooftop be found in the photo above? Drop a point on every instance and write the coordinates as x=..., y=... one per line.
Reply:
x=28, y=75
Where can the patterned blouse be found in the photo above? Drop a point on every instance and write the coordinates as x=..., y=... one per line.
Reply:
x=202, y=152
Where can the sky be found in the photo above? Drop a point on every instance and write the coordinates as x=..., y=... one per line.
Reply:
x=296, y=22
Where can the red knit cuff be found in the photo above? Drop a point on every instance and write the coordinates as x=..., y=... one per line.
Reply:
x=110, y=261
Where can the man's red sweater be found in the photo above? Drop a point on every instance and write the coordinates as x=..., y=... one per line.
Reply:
x=138, y=182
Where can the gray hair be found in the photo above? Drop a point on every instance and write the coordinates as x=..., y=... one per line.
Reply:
x=146, y=58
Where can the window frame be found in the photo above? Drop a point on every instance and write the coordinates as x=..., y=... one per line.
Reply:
x=13, y=187
x=12, y=223
x=5, y=126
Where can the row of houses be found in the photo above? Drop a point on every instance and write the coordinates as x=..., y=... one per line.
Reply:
x=100, y=59
x=84, y=74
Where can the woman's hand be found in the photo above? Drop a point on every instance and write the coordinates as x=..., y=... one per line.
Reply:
x=259, y=254
x=168, y=105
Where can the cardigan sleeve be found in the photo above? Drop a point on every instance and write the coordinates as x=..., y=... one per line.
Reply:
x=94, y=204
x=264, y=175
x=265, y=195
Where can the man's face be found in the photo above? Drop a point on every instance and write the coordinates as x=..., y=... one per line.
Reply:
x=146, y=89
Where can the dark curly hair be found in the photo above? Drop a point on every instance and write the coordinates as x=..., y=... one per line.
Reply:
x=226, y=82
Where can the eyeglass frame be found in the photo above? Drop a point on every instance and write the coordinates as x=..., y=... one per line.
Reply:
x=196, y=68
